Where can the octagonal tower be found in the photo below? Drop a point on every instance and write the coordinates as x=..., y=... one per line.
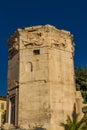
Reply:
x=41, y=85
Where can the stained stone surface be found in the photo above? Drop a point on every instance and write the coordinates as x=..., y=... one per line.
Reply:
x=41, y=77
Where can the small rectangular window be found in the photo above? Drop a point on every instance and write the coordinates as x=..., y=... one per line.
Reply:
x=2, y=106
x=36, y=52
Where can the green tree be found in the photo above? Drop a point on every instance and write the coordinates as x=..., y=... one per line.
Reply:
x=75, y=124
x=81, y=81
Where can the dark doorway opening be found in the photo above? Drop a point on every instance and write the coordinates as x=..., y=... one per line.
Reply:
x=12, y=99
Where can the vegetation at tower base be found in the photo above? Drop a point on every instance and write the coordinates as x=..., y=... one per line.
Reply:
x=75, y=124
x=81, y=81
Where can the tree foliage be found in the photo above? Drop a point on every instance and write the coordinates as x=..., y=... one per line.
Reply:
x=81, y=81
x=75, y=124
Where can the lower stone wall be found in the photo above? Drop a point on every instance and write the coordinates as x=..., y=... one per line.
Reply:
x=79, y=104
x=7, y=126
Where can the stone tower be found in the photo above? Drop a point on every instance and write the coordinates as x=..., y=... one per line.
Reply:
x=41, y=85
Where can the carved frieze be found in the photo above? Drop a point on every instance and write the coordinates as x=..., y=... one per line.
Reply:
x=13, y=48
x=61, y=44
x=31, y=43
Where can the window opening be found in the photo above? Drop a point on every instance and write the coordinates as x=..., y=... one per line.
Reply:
x=2, y=106
x=30, y=66
x=36, y=52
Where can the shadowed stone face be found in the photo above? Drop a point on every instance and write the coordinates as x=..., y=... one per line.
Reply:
x=84, y=109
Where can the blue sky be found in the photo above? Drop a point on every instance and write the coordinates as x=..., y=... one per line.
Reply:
x=64, y=14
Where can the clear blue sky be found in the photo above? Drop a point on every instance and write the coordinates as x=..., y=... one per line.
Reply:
x=70, y=15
